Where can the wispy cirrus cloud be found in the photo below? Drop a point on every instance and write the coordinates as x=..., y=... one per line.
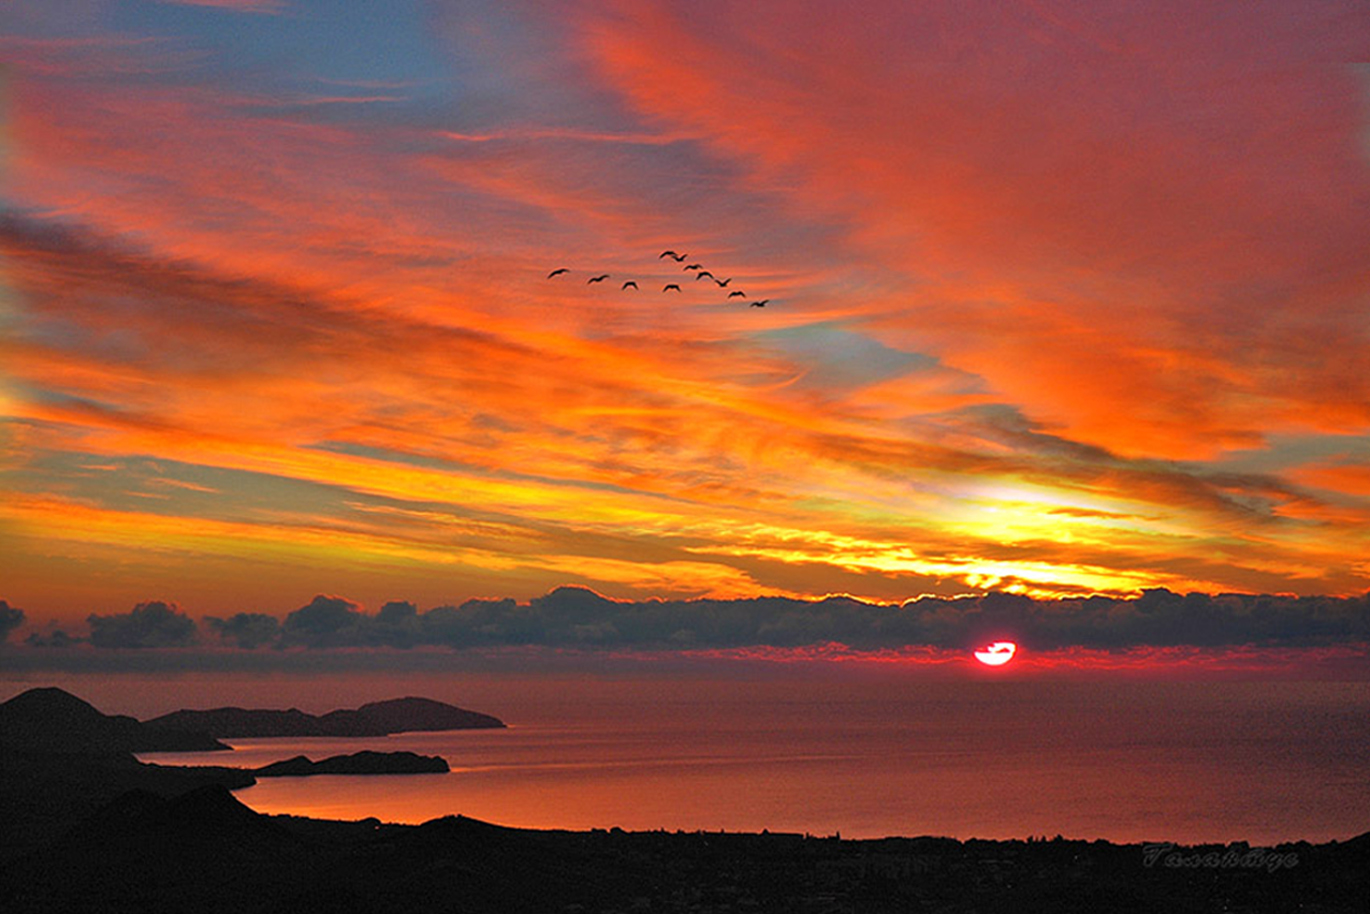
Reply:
x=997, y=496
x=1069, y=219
x=1063, y=301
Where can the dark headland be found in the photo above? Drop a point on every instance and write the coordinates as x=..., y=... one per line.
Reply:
x=381, y=718
x=91, y=829
x=57, y=721
x=365, y=762
x=64, y=760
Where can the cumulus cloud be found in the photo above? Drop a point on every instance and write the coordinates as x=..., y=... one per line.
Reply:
x=151, y=624
x=1157, y=617
x=574, y=617
x=11, y=617
x=246, y=630
x=57, y=638
x=397, y=624
x=326, y=621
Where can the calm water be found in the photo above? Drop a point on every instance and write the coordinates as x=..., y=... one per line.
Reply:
x=863, y=756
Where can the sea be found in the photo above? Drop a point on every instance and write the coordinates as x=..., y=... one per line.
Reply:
x=816, y=751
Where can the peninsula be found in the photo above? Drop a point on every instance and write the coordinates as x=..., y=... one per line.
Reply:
x=380, y=718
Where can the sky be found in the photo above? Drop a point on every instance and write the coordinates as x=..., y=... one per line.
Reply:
x=1062, y=299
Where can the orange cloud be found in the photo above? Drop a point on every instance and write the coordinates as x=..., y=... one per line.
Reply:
x=1071, y=219
x=1037, y=282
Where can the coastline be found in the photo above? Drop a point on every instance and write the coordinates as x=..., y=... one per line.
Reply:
x=94, y=828
x=204, y=850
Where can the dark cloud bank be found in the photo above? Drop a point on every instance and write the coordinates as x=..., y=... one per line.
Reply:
x=154, y=624
x=11, y=617
x=578, y=618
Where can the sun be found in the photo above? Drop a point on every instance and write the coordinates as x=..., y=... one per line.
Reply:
x=996, y=654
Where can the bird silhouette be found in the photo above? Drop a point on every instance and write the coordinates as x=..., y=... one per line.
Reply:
x=630, y=283
x=702, y=273
x=558, y=272
x=669, y=286
x=599, y=278
x=694, y=266
x=738, y=293
x=673, y=255
x=760, y=304
x=723, y=283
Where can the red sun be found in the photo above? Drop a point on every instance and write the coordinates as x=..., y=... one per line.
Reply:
x=996, y=654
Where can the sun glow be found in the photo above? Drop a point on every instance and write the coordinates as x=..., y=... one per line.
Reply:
x=997, y=654
x=1023, y=513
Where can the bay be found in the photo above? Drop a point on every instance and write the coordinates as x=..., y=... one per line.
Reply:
x=863, y=756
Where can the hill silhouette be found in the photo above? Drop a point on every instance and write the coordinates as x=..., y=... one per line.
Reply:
x=62, y=759
x=52, y=720
x=381, y=718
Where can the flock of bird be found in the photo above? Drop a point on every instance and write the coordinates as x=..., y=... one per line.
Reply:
x=696, y=268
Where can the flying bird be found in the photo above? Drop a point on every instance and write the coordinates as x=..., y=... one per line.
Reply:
x=673, y=255
x=723, y=283
x=702, y=273
x=669, y=286
x=693, y=266
x=760, y=304
x=558, y=272
x=599, y=278
x=630, y=283
x=738, y=293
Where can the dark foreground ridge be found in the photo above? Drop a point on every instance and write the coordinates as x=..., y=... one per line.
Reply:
x=380, y=718
x=205, y=851
x=91, y=832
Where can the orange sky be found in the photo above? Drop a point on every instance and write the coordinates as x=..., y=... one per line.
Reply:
x=1063, y=298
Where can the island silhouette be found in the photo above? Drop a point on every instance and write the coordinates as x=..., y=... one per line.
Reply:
x=380, y=718
x=364, y=762
x=87, y=827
